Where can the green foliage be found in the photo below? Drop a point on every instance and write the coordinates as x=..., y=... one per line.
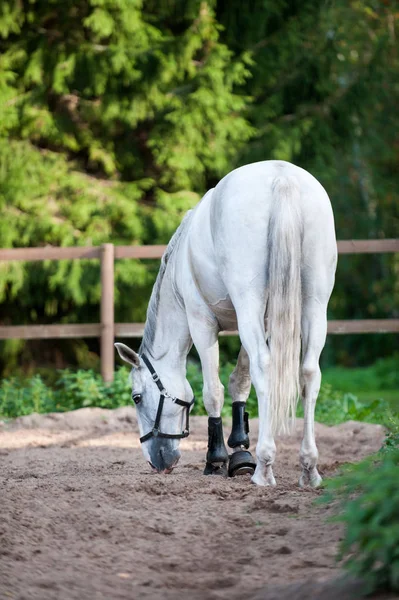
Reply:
x=72, y=390
x=366, y=496
x=117, y=115
x=333, y=406
x=372, y=385
x=22, y=398
x=387, y=370
x=83, y=77
x=382, y=375
x=392, y=436
x=75, y=389
x=324, y=90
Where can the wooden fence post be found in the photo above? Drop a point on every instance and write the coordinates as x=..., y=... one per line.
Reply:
x=107, y=312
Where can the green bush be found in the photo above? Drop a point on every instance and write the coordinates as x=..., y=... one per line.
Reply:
x=335, y=407
x=72, y=390
x=367, y=500
x=332, y=406
x=77, y=389
x=19, y=398
x=392, y=436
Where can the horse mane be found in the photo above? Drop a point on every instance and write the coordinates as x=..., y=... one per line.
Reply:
x=153, y=305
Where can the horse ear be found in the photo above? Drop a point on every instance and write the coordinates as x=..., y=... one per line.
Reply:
x=128, y=355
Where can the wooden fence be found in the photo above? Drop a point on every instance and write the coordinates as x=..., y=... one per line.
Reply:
x=107, y=330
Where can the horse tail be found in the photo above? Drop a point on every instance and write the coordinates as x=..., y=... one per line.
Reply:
x=284, y=301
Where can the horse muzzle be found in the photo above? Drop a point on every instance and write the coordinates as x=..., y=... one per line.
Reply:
x=163, y=455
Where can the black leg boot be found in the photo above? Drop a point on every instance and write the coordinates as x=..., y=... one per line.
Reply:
x=241, y=460
x=217, y=455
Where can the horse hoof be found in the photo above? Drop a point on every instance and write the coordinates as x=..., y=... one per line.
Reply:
x=263, y=475
x=311, y=478
x=260, y=481
x=315, y=479
x=241, y=463
x=217, y=469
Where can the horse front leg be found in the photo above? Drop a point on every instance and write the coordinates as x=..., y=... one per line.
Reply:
x=241, y=460
x=205, y=339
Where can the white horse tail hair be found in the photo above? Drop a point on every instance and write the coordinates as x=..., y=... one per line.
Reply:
x=284, y=302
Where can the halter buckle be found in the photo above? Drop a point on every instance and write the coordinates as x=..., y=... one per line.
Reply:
x=155, y=377
x=155, y=431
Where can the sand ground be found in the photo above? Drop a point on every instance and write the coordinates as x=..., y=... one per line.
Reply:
x=82, y=517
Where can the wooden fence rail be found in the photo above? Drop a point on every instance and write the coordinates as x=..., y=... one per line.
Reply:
x=107, y=330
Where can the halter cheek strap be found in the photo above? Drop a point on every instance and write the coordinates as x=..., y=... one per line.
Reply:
x=155, y=432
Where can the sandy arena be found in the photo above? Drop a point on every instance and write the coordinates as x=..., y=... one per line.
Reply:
x=82, y=517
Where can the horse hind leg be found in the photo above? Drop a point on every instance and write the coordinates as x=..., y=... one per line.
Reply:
x=241, y=461
x=314, y=331
x=251, y=325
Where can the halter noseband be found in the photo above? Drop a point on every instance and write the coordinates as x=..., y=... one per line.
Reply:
x=164, y=394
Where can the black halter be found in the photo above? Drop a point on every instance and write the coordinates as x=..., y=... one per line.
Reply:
x=164, y=394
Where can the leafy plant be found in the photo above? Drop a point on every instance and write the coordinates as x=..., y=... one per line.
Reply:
x=18, y=398
x=82, y=388
x=332, y=406
x=72, y=390
x=392, y=436
x=366, y=496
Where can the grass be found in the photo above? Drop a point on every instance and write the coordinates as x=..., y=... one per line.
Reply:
x=368, y=384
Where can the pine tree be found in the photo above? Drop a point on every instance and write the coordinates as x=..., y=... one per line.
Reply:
x=117, y=115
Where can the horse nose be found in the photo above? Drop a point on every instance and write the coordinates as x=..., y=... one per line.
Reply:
x=163, y=454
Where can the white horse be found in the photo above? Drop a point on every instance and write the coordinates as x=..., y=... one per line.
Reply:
x=258, y=254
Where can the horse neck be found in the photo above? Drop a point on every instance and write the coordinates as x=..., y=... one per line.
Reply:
x=171, y=341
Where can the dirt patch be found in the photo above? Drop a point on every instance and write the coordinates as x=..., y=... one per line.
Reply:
x=82, y=517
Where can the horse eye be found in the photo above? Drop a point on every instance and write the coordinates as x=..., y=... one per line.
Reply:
x=136, y=398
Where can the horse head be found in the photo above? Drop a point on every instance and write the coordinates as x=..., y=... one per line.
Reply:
x=163, y=419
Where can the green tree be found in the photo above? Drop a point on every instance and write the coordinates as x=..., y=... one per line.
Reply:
x=324, y=88
x=116, y=114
